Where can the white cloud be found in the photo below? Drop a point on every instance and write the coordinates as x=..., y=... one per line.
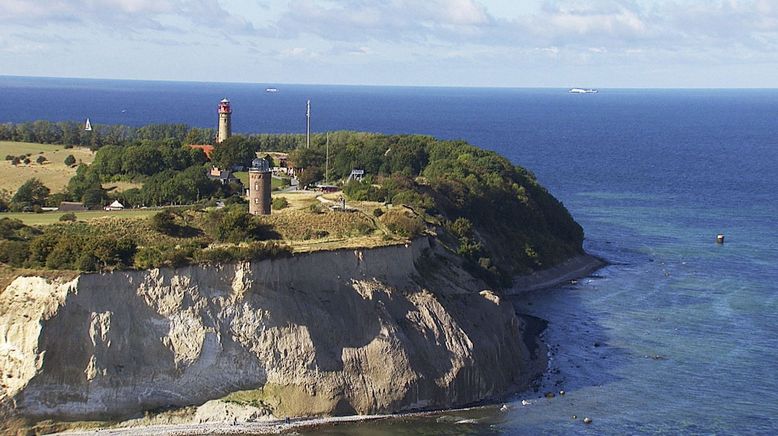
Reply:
x=121, y=14
x=392, y=20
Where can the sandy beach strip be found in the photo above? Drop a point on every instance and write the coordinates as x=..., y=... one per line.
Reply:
x=571, y=269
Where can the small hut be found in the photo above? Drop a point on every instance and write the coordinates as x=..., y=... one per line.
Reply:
x=115, y=206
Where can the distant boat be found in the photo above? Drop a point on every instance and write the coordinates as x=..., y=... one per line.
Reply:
x=88, y=125
x=271, y=89
x=582, y=91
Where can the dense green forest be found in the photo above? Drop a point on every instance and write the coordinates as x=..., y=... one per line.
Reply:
x=494, y=213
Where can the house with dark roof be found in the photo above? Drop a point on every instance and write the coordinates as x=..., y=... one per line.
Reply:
x=224, y=177
x=71, y=206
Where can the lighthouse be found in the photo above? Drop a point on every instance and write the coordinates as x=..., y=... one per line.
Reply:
x=225, y=121
x=259, y=187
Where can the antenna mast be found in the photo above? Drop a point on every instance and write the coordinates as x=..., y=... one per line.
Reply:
x=308, y=125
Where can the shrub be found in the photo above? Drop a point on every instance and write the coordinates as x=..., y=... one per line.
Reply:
x=217, y=255
x=364, y=191
x=400, y=223
x=462, y=228
x=41, y=247
x=316, y=208
x=41, y=159
x=14, y=253
x=110, y=251
x=314, y=234
x=70, y=160
x=148, y=257
x=263, y=250
x=9, y=228
x=86, y=262
x=413, y=198
x=279, y=203
x=377, y=212
x=9, y=157
x=68, y=217
x=362, y=228
x=26, y=160
x=235, y=225
x=165, y=222
x=65, y=255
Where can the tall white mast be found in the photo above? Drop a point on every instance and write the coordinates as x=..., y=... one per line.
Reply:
x=308, y=125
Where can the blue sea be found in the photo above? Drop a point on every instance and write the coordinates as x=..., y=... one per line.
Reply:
x=677, y=335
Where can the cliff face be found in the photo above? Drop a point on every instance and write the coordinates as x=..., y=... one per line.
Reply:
x=338, y=332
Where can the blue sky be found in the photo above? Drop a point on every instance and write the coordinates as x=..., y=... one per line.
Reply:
x=521, y=43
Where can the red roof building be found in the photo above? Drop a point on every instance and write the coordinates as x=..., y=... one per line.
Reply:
x=206, y=148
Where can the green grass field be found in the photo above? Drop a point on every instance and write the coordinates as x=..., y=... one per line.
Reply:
x=46, y=218
x=53, y=173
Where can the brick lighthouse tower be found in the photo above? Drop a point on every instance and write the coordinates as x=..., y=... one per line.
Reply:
x=259, y=187
x=225, y=121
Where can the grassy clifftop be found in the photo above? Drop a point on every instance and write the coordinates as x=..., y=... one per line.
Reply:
x=492, y=213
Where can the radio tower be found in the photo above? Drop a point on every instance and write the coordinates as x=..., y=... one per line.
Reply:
x=308, y=125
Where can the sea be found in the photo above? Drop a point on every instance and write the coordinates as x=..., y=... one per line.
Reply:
x=678, y=335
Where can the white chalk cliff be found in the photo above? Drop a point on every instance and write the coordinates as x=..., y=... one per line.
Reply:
x=340, y=332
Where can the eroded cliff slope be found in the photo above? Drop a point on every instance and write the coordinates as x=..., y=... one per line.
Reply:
x=337, y=332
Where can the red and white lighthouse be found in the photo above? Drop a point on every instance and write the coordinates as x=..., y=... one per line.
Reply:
x=225, y=121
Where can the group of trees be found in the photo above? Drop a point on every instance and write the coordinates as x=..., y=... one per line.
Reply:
x=85, y=247
x=53, y=248
x=71, y=133
x=512, y=217
x=175, y=188
x=32, y=195
x=113, y=162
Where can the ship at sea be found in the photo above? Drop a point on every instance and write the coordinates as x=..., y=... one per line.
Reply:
x=582, y=91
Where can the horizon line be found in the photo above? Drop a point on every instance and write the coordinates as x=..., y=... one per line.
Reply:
x=12, y=76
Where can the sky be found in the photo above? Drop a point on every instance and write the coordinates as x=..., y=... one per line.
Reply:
x=493, y=43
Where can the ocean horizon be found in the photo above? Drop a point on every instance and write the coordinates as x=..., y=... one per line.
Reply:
x=677, y=335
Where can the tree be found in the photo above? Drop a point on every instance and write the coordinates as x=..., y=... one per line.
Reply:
x=310, y=176
x=108, y=161
x=70, y=160
x=94, y=196
x=233, y=151
x=307, y=157
x=31, y=193
x=84, y=180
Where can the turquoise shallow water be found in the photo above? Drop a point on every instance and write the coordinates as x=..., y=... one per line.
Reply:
x=687, y=329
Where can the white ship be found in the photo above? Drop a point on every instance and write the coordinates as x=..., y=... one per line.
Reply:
x=582, y=91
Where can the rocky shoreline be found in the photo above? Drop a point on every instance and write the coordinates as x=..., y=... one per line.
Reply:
x=572, y=269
